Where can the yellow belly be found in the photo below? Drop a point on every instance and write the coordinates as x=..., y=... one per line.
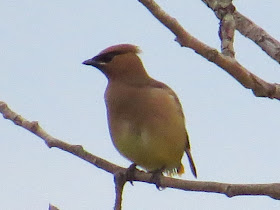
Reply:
x=150, y=149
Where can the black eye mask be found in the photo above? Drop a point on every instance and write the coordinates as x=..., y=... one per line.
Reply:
x=107, y=57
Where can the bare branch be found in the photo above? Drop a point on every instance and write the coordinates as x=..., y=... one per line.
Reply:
x=259, y=87
x=271, y=190
x=77, y=150
x=120, y=180
x=227, y=27
x=254, y=32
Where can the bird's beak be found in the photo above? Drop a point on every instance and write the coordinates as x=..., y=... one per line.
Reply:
x=91, y=62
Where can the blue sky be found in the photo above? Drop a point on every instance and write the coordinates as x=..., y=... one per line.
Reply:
x=234, y=135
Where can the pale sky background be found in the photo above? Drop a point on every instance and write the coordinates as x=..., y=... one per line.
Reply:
x=234, y=135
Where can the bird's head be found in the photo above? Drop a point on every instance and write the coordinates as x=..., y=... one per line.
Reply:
x=119, y=61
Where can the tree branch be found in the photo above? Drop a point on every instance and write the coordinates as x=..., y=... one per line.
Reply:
x=230, y=190
x=227, y=27
x=120, y=180
x=259, y=87
x=254, y=32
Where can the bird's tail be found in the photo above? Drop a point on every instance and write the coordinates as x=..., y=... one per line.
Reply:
x=188, y=151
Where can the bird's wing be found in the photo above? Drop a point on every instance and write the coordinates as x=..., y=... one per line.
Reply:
x=157, y=84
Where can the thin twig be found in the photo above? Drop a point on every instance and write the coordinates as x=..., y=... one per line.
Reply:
x=254, y=32
x=227, y=27
x=259, y=87
x=50, y=141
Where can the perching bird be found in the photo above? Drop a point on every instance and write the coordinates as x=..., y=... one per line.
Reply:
x=145, y=117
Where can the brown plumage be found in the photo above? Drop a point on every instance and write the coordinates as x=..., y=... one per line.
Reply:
x=145, y=117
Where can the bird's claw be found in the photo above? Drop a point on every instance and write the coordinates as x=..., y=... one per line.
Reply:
x=130, y=173
x=155, y=178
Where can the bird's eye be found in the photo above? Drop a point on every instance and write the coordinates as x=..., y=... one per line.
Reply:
x=105, y=58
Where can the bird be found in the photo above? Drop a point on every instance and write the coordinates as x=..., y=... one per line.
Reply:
x=145, y=117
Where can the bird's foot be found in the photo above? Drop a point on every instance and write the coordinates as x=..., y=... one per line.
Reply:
x=130, y=173
x=155, y=178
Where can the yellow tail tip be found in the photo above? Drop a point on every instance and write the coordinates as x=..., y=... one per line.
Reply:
x=180, y=170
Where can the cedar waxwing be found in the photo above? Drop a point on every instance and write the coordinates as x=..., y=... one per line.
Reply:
x=145, y=117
